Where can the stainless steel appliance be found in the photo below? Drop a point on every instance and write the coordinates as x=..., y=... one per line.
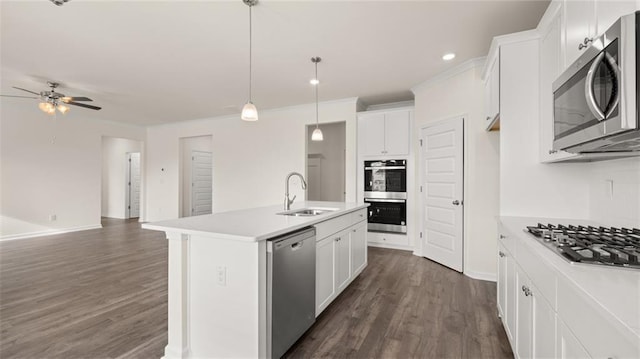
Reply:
x=385, y=179
x=291, y=289
x=596, y=99
x=385, y=189
x=615, y=247
x=387, y=215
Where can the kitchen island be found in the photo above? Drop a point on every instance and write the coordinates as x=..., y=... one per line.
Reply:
x=217, y=293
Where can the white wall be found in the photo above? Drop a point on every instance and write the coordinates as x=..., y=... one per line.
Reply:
x=461, y=92
x=40, y=178
x=251, y=159
x=529, y=188
x=330, y=184
x=614, y=192
x=187, y=146
x=114, y=172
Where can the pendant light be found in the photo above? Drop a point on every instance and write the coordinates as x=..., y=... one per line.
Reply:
x=317, y=133
x=249, y=111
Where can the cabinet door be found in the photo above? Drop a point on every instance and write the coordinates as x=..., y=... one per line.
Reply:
x=325, y=273
x=358, y=247
x=494, y=107
x=550, y=68
x=568, y=345
x=579, y=17
x=607, y=12
x=524, y=312
x=342, y=260
x=396, y=129
x=371, y=134
x=544, y=326
x=511, y=293
x=502, y=281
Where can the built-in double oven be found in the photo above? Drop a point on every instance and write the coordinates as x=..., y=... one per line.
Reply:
x=385, y=189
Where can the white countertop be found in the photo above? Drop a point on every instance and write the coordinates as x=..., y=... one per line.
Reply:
x=617, y=290
x=254, y=224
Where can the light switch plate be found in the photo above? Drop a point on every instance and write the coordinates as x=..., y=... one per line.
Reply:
x=221, y=275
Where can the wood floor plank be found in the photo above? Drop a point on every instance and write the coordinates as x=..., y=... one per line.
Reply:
x=103, y=294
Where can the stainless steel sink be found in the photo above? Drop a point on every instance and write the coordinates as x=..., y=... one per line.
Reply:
x=307, y=212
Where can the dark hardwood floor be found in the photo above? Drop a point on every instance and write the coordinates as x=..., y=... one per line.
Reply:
x=103, y=294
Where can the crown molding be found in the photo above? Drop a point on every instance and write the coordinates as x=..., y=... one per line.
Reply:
x=463, y=67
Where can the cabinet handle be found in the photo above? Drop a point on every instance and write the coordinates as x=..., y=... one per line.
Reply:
x=527, y=291
x=337, y=239
x=585, y=43
x=488, y=118
x=553, y=151
x=502, y=236
x=501, y=253
x=353, y=230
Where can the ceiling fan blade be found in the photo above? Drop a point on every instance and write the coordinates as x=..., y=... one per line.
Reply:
x=19, y=96
x=69, y=98
x=19, y=88
x=83, y=105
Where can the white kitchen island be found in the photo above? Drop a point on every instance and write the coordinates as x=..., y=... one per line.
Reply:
x=217, y=273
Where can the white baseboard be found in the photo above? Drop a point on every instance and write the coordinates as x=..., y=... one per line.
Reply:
x=48, y=232
x=491, y=277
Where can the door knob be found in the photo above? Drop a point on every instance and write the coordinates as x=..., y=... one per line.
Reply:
x=456, y=203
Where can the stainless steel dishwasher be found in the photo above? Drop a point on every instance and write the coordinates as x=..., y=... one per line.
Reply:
x=291, y=289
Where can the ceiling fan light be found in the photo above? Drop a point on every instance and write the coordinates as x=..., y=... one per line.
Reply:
x=47, y=107
x=249, y=112
x=317, y=135
x=63, y=109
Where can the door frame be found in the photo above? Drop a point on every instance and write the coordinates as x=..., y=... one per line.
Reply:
x=421, y=230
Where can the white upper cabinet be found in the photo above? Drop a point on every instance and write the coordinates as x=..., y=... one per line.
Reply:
x=492, y=94
x=588, y=19
x=384, y=133
x=580, y=24
x=607, y=12
x=550, y=68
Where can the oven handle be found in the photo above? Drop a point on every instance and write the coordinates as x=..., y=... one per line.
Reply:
x=386, y=168
x=590, y=86
x=385, y=200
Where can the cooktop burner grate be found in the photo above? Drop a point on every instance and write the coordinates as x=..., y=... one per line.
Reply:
x=595, y=245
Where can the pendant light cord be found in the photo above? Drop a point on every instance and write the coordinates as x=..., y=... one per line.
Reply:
x=250, y=51
x=318, y=84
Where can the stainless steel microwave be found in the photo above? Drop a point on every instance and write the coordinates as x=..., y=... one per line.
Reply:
x=595, y=101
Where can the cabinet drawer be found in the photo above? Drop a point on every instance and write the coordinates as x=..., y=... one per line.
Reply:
x=358, y=216
x=388, y=238
x=600, y=334
x=334, y=225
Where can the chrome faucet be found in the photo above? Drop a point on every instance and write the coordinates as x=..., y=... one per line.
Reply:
x=287, y=201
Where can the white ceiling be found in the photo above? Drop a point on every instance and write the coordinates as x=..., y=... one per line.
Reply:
x=152, y=62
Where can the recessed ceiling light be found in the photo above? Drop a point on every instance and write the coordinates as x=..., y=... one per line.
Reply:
x=449, y=56
x=314, y=81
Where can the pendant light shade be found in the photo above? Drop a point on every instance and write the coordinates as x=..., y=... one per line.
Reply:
x=317, y=133
x=249, y=111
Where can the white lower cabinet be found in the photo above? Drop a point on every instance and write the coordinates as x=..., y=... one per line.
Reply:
x=325, y=273
x=546, y=316
x=340, y=257
x=358, y=239
x=568, y=345
x=536, y=321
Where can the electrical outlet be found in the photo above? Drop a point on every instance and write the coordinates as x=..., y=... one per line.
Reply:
x=221, y=277
x=52, y=217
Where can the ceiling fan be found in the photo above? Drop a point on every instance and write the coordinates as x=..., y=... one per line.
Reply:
x=52, y=100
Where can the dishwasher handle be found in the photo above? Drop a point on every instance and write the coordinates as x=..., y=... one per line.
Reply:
x=296, y=246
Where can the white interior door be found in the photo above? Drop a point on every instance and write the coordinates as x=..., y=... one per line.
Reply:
x=133, y=189
x=201, y=183
x=441, y=166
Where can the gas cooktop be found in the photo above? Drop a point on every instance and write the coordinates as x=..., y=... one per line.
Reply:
x=616, y=247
